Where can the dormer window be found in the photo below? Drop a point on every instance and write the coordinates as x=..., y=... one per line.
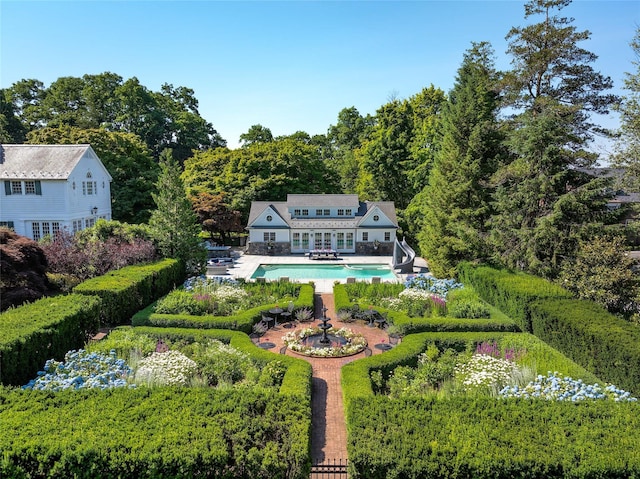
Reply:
x=269, y=217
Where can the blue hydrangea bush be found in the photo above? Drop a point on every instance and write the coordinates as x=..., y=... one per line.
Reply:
x=82, y=370
x=555, y=388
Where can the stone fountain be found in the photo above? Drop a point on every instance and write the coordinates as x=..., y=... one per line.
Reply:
x=324, y=339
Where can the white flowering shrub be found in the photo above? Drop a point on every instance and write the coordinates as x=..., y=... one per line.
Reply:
x=168, y=368
x=485, y=373
x=555, y=388
x=82, y=370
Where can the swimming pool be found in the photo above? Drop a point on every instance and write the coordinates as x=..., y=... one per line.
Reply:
x=324, y=271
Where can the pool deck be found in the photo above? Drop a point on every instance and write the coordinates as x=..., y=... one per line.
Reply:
x=246, y=265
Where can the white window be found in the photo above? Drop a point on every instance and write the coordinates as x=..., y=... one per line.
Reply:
x=29, y=187
x=269, y=236
x=89, y=222
x=305, y=240
x=89, y=188
x=318, y=212
x=387, y=236
x=349, y=240
x=340, y=241
x=16, y=187
x=296, y=241
x=365, y=236
x=269, y=217
x=348, y=212
x=55, y=227
x=305, y=212
x=46, y=228
x=77, y=225
x=327, y=212
x=376, y=217
x=296, y=212
x=340, y=211
x=35, y=229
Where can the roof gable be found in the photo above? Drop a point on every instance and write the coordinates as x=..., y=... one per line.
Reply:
x=385, y=211
x=260, y=210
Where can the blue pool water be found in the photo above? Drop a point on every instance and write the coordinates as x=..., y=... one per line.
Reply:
x=324, y=271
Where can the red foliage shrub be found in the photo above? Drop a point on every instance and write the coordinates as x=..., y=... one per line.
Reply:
x=66, y=255
x=23, y=267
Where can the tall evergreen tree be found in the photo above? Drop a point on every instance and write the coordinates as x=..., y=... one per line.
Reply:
x=174, y=225
x=628, y=154
x=553, y=89
x=456, y=200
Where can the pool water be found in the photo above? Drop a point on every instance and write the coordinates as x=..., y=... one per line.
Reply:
x=324, y=271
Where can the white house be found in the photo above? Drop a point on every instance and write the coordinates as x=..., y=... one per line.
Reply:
x=48, y=188
x=340, y=223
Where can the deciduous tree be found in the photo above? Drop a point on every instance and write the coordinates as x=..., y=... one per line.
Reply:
x=215, y=216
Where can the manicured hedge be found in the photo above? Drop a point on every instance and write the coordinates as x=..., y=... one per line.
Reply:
x=154, y=433
x=127, y=290
x=356, y=376
x=408, y=325
x=297, y=379
x=592, y=337
x=486, y=438
x=242, y=321
x=44, y=329
x=510, y=292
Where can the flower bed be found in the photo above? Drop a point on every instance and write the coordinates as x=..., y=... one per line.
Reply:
x=355, y=343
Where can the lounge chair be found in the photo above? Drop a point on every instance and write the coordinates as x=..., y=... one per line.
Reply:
x=216, y=269
x=375, y=280
x=351, y=280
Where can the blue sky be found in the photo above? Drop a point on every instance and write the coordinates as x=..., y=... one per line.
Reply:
x=286, y=65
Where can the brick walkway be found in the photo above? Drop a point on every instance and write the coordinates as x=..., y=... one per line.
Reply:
x=329, y=430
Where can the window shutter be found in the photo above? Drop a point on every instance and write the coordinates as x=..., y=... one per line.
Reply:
x=38, y=187
x=7, y=187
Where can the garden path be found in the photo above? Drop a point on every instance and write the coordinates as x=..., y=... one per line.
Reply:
x=329, y=429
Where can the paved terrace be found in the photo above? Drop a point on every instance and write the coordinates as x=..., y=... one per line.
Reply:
x=246, y=265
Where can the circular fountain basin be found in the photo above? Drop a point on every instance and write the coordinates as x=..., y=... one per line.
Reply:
x=323, y=343
x=316, y=341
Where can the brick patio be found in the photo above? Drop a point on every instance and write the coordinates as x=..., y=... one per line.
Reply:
x=329, y=430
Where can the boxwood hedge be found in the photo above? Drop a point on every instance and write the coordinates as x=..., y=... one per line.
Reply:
x=511, y=292
x=242, y=321
x=127, y=290
x=591, y=336
x=44, y=329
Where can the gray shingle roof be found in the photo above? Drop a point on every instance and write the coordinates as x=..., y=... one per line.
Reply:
x=318, y=201
x=34, y=162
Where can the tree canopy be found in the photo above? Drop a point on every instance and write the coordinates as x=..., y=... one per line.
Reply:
x=168, y=118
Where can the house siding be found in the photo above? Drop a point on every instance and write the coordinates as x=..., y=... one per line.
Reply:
x=59, y=202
